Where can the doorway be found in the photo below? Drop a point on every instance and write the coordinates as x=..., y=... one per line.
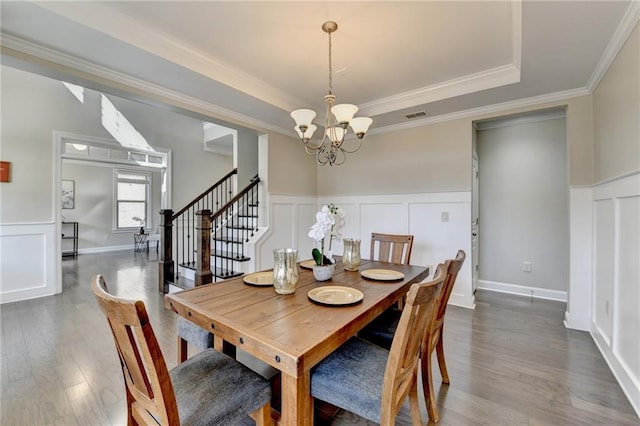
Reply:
x=521, y=193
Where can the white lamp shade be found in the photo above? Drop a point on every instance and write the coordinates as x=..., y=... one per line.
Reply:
x=344, y=112
x=360, y=124
x=303, y=117
x=335, y=134
x=309, y=133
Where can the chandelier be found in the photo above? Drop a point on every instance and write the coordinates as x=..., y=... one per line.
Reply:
x=331, y=149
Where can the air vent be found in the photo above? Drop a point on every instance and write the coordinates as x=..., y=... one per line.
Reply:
x=416, y=114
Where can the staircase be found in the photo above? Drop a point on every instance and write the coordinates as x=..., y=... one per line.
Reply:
x=206, y=240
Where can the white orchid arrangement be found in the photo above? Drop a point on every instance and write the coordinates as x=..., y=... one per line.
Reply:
x=329, y=221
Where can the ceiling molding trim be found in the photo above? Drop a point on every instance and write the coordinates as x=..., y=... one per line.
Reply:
x=119, y=80
x=624, y=30
x=480, y=111
x=527, y=118
x=134, y=32
x=483, y=80
x=487, y=79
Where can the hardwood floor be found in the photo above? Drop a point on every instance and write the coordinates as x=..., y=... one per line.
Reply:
x=511, y=361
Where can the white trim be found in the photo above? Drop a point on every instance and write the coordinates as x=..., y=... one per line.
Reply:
x=106, y=249
x=115, y=79
x=523, y=290
x=613, y=179
x=624, y=30
x=630, y=386
x=135, y=33
x=485, y=110
x=488, y=79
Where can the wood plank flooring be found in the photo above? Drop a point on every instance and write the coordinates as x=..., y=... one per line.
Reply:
x=511, y=361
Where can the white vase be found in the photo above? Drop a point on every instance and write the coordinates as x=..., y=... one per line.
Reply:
x=323, y=272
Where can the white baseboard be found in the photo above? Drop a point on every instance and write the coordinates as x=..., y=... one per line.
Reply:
x=105, y=249
x=627, y=382
x=522, y=290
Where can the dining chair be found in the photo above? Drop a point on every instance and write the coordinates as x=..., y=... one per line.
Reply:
x=391, y=248
x=189, y=332
x=371, y=381
x=210, y=388
x=381, y=332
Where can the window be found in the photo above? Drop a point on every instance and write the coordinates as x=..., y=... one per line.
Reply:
x=132, y=192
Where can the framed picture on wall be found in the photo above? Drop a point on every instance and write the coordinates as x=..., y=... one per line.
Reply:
x=68, y=194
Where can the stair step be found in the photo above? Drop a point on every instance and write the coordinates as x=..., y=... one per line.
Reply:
x=219, y=273
x=226, y=274
x=231, y=255
x=248, y=215
x=236, y=226
x=234, y=240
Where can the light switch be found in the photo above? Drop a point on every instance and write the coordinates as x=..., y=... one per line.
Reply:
x=444, y=217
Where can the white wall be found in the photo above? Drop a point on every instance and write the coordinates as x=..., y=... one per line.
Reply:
x=416, y=214
x=524, y=208
x=616, y=275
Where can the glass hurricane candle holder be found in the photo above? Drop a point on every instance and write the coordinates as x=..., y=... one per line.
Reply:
x=351, y=254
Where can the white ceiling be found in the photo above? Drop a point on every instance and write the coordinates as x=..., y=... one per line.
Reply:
x=256, y=61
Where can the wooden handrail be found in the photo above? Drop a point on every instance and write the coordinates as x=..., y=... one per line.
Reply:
x=201, y=196
x=227, y=206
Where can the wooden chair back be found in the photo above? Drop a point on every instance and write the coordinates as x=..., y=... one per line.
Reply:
x=453, y=267
x=391, y=248
x=402, y=367
x=147, y=381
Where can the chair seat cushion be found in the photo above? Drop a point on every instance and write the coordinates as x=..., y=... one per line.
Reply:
x=213, y=389
x=382, y=329
x=194, y=334
x=351, y=378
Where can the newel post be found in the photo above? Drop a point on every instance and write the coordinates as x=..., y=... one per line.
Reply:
x=166, y=270
x=203, y=248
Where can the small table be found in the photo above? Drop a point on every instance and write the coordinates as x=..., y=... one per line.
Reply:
x=140, y=243
x=290, y=333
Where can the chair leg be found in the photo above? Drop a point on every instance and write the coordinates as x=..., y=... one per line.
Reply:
x=441, y=362
x=427, y=387
x=262, y=415
x=182, y=350
x=416, y=417
x=130, y=420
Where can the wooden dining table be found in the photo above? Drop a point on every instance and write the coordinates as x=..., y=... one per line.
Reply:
x=292, y=333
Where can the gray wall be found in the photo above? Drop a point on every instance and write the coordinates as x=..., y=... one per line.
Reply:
x=93, y=207
x=247, y=157
x=34, y=106
x=524, y=204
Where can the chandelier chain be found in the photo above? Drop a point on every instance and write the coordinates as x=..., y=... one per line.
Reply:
x=330, y=68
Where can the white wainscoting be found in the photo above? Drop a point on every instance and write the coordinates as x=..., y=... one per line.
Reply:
x=417, y=214
x=28, y=268
x=616, y=280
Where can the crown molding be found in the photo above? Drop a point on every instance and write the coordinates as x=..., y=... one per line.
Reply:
x=485, y=110
x=483, y=80
x=35, y=53
x=487, y=79
x=624, y=30
x=134, y=32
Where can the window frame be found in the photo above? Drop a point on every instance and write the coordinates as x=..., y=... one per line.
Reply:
x=148, y=181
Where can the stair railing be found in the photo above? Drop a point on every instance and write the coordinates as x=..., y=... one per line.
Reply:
x=231, y=227
x=178, y=231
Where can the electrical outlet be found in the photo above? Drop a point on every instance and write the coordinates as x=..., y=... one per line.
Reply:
x=444, y=217
x=526, y=266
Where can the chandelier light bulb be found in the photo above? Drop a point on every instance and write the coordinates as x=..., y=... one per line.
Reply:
x=344, y=113
x=335, y=134
x=360, y=125
x=303, y=117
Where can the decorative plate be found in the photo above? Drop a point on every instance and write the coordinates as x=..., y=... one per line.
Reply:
x=259, y=278
x=382, y=274
x=334, y=295
x=307, y=264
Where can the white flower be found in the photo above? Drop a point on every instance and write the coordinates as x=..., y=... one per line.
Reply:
x=329, y=221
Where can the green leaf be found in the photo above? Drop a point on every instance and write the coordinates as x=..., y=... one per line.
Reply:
x=317, y=256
